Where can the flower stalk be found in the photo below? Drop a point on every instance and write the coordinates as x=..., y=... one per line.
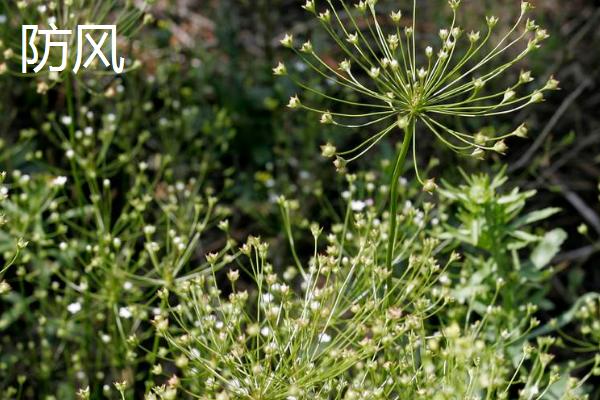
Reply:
x=409, y=131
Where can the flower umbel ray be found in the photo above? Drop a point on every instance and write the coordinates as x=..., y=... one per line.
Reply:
x=412, y=87
x=410, y=90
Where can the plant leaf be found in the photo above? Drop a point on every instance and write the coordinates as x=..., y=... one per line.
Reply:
x=536, y=216
x=548, y=247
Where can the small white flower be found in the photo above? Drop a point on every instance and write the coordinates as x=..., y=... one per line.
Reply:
x=125, y=312
x=267, y=298
x=66, y=120
x=2, y=19
x=74, y=308
x=265, y=331
x=59, y=181
x=324, y=338
x=358, y=205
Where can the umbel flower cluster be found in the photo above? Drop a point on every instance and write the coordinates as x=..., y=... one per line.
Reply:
x=410, y=86
x=408, y=90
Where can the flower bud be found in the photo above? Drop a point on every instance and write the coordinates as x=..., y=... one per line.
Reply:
x=309, y=6
x=280, y=69
x=525, y=77
x=454, y=4
x=428, y=51
x=233, y=275
x=361, y=6
x=374, y=73
x=327, y=118
x=403, y=122
x=525, y=6
x=396, y=16
x=393, y=42
x=473, y=36
x=480, y=139
x=552, y=84
x=385, y=62
x=478, y=153
x=521, y=131
x=352, y=38
x=508, y=95
x=328, y=150
x=325, y=17
x=345, y=66
x=491, y=21
x=500, y=147
x=340, y=164
x=537, y=97
x=307, y=47
x=531, y=26
x=429, y=186
x=541, y=34
x=294, y=102
x=287, y=41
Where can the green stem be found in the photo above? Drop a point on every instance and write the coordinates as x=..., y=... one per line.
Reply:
x=409, y=132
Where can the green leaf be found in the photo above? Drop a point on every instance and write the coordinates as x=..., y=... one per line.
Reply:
x=525, y=236
x=536, y=216
x=548, y=248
